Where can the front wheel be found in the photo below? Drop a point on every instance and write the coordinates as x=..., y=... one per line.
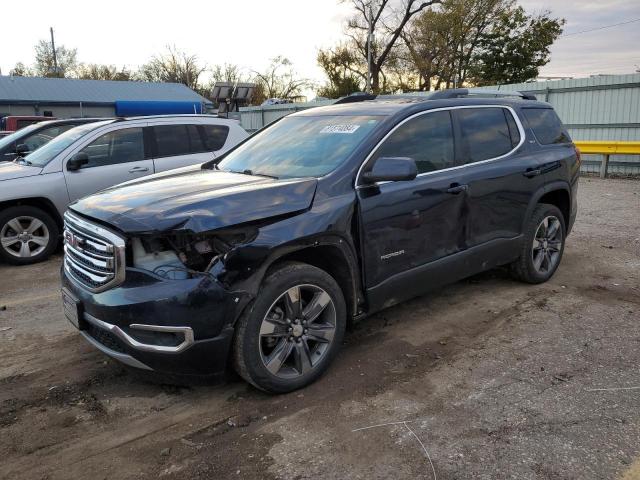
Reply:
x=27, y=235
x=542, y=247
x=290, y=334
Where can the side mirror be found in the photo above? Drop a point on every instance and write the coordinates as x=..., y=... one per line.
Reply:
x=77, y=161
x=392, y=169
x=21, y=149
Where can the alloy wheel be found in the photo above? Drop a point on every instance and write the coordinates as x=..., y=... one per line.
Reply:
x=547, y=245
x=24, y=237
x=297, y=331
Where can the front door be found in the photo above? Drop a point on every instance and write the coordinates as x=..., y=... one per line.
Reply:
x=408, y=224
x=114, y=157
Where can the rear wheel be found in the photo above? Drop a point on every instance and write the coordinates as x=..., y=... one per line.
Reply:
x=543, y=245
x=292, y=331
x=27, y=235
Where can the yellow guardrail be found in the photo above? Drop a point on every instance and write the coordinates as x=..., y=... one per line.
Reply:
x=607, y=149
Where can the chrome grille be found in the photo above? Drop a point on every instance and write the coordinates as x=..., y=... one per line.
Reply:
x=93, y=256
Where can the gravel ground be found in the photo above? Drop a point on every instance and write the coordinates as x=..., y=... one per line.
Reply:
x=484, y=379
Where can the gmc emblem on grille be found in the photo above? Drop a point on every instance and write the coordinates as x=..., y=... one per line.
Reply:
x=73, y=240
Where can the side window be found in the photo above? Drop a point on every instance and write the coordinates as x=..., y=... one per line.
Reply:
x=35, y=141
x=214, y=136
x=428, y=139
x=171, y=140
x=546, y=125
x=196, y=144
x=485, y=133
x=24, y=123
x=120, y=146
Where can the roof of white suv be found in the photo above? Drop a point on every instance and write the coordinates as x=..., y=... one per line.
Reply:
x=177, y=117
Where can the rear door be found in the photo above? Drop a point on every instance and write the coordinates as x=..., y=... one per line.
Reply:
x=181, y=145
x=554, y=143
x=114, y=157
x=501, y=172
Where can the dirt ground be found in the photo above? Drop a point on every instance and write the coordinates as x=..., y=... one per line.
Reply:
x=484, y=379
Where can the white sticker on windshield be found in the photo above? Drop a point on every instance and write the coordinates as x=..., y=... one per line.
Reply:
x=347, y=128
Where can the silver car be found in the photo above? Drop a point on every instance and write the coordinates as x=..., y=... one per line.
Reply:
x=35, y=190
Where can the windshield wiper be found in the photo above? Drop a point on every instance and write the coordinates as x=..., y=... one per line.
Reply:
x=251, y=172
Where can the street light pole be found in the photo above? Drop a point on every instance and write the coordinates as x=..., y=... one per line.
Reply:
x=53, y=50
x=369, y=39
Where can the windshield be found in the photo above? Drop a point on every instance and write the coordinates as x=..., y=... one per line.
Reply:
x=45, y=154
x=300, y=146
x=17, y=135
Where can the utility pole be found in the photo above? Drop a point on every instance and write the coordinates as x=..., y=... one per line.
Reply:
x=369, y=41
x=53, y=49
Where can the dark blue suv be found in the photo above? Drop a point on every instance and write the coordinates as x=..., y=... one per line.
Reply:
x=261, y=258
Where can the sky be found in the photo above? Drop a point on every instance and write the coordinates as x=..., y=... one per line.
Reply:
x=250, y=32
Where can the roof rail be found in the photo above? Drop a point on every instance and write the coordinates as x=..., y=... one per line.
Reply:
x=436, y=95
x=355, y=97
x=466, y=92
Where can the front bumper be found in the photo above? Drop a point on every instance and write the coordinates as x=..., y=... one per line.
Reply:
x=182, y=327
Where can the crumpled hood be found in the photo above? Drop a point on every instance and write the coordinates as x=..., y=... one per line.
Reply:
x=11, y=170
x=195, y=201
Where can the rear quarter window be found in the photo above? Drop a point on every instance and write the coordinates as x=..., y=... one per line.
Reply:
x=546, y=126
x=215, y=136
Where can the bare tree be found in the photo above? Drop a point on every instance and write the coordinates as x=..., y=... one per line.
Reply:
x=387, y=19
x=173, y=66
x=280, y=80
x=94, y=71
x=226, y=73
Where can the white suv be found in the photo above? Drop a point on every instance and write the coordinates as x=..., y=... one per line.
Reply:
x=35, y=190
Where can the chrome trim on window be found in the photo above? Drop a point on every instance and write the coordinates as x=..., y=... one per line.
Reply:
x=94, y=256
x=358, y=185
x=187, y=332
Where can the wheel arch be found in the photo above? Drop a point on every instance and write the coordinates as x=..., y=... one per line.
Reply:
x=561, y=199
x=557, y=194
x=334, y=256
x=39, y=202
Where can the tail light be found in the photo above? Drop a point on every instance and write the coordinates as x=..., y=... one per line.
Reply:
x=578, y=157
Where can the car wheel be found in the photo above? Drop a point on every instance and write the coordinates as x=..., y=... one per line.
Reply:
x=542, y=247
x=27, y=235
x=292, y=331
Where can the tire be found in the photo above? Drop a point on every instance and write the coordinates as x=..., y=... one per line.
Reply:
x=27, y=235
x=273, y=352
x=539, y=259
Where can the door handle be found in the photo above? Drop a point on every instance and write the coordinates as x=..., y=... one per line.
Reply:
x=139, y=169
x=532, y=173
x=456, y=188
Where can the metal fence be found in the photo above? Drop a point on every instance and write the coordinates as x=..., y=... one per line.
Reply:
x=602, y=108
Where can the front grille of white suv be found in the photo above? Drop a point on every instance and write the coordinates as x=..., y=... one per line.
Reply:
x=93, y=256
